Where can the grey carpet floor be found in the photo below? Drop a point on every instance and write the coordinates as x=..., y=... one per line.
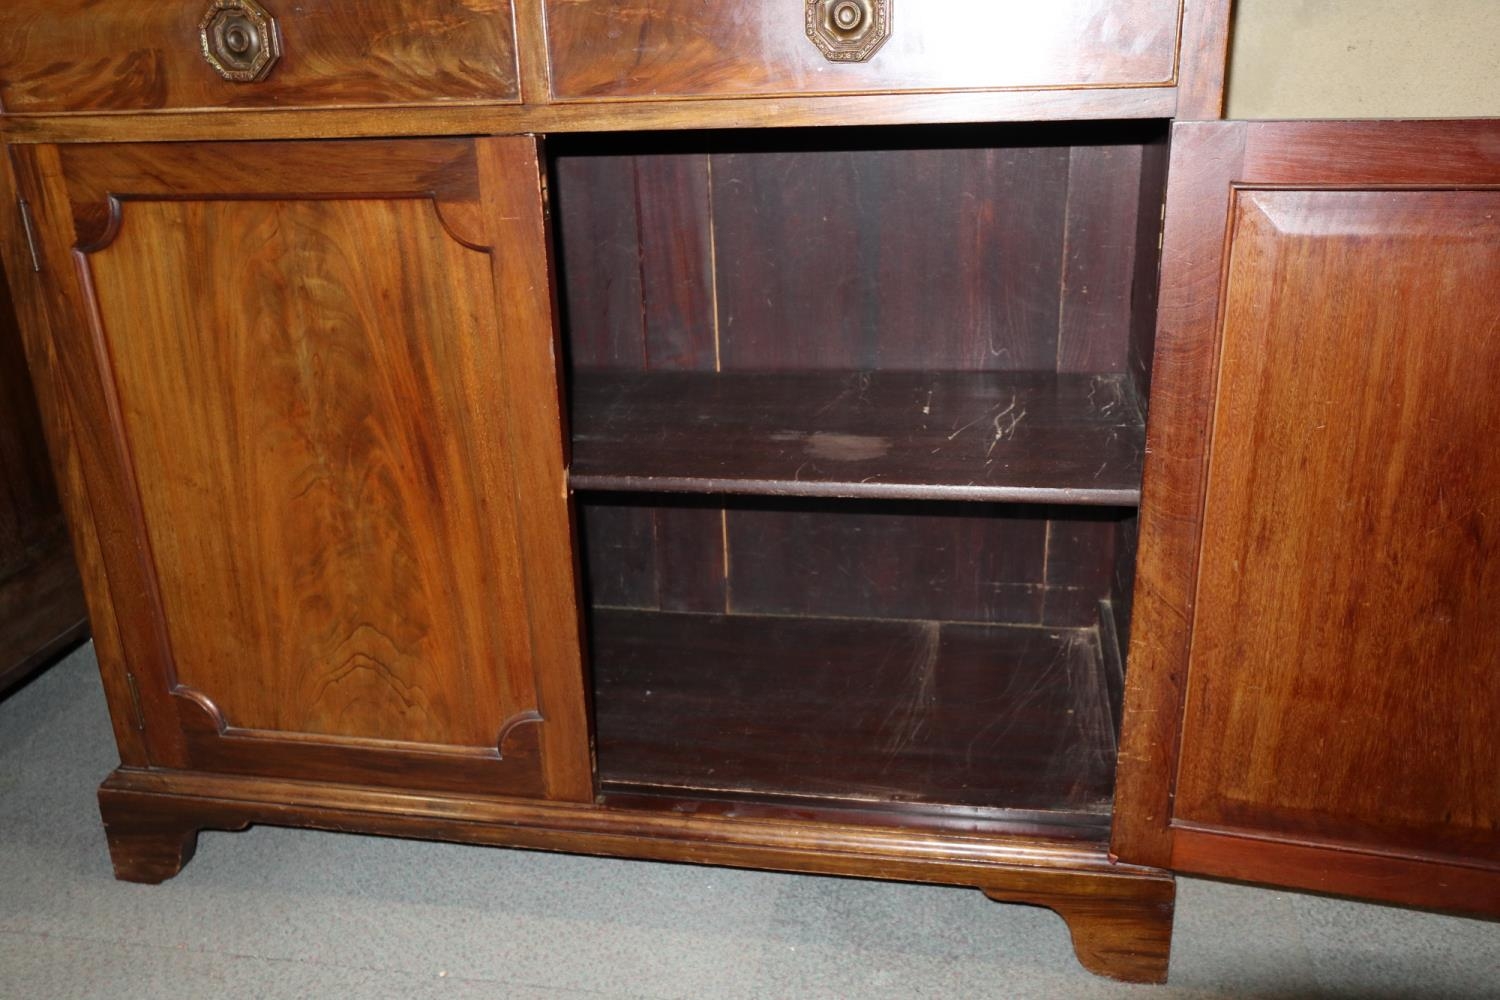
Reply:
x=286, y=913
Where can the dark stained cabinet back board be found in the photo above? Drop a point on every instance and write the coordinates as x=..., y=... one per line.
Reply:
x=1320, y=549
x=712, y=485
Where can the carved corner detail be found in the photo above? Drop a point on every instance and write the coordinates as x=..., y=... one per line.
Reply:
x=520, y=731
x=97, y=223
x=202, y=714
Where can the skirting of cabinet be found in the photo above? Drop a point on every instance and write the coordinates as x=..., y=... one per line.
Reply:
x=1451, y=884
x=1120, y=916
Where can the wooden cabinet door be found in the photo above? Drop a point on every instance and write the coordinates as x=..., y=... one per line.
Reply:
x=319, y=423
x=1314, y=680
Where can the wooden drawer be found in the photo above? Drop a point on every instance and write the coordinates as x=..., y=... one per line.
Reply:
x=688, y=48
x=117, y=55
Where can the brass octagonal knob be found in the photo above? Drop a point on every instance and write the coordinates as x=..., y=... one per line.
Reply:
x=848, y=30
x=240, y=39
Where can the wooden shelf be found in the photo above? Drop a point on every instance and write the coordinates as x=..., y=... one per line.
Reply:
x=1028, y=437
x=866, y=714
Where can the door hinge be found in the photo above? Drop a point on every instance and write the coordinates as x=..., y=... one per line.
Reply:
x=30, y=230
x=135, y=702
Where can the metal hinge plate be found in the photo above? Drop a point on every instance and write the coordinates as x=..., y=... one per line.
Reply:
x=135, y=702
x=30, y=231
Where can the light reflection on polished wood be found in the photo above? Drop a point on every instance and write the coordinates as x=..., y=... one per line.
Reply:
x=117, y=55
x=1311, y=699
x=280, y=429
x=321, y=455
x=1344, y=681
x=676, y=48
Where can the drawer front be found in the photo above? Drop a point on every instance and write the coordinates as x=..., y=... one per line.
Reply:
x=688, y=48
x=119, y=55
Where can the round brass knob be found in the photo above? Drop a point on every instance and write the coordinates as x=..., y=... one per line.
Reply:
x=847, y=15
x=239, y=39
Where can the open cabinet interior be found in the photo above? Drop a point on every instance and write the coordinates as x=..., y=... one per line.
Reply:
x=857, y=425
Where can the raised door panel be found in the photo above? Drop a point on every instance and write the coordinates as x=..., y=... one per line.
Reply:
x=1351, y=531
x=1321, y=541
x=332, y=478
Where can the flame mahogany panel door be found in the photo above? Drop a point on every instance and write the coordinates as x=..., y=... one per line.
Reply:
x=1314, y=689
x=324, y=454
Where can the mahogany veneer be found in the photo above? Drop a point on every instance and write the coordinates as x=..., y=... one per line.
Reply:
x=1313, y=694
x=669, y=49
x=122, y=55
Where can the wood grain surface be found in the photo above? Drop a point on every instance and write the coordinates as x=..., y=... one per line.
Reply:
x=810, y=254
x=39, y=305
x=854, y=711
x=681, y=48
x=1317, y=547
x=509, y=118
x=41, y=600
x=1031, y=437
x=1203, y=59
x=1356, y=422
x=329, y=469
x=1205, y=160
x=1120, y=915
x=122, y=55
x=314, y=514
x=365, y=68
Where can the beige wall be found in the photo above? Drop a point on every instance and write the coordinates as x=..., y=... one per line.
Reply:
x=1365, y=58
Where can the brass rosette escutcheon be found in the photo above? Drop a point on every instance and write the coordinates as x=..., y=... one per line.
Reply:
x=240, y=39
x=848, y=30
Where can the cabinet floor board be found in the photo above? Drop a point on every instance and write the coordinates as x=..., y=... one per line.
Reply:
x=871, y=714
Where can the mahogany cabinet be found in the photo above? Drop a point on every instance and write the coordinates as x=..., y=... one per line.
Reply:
x=897, y=500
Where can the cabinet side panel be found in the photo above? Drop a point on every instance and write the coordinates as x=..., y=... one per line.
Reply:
x=39, y=309
x=1344, y=679
x=28, y=503
x=41, y=602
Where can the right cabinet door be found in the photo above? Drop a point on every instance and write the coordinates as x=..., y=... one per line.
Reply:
x=1314, y=682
